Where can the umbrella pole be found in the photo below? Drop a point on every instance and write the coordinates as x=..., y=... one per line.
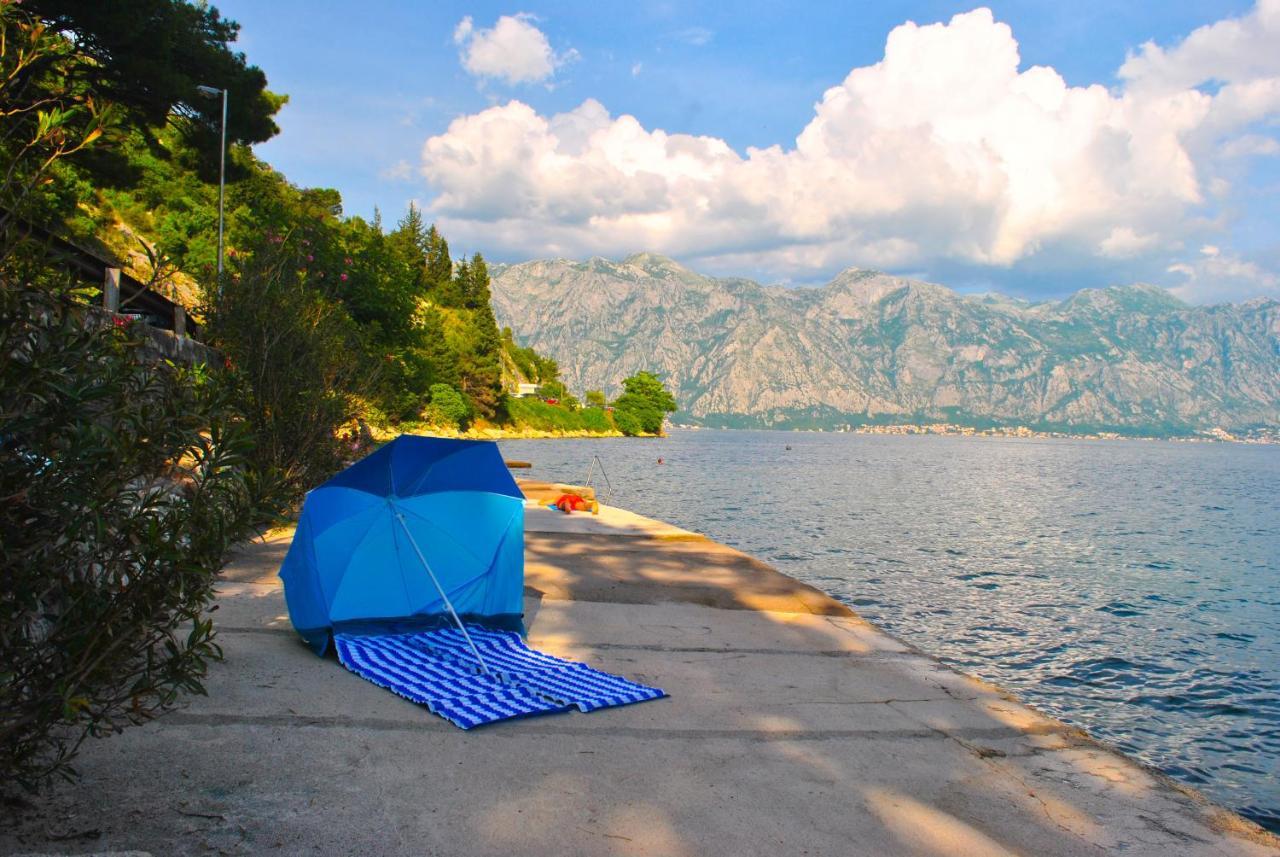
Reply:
x=447, y=603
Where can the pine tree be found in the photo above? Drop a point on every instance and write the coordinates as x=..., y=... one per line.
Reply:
x=439, y=265
x=412, y=230
x=481, y=363
x=476, y=285
x=406, y=243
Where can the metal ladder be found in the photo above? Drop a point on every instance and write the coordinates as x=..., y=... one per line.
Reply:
x=595, y=459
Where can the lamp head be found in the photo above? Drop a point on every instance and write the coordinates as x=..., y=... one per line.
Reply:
x=208, y=90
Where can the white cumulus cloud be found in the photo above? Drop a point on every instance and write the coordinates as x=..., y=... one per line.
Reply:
x=942, y=151
x=513, y=50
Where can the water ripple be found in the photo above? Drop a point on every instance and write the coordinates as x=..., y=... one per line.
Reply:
x=1131, y=588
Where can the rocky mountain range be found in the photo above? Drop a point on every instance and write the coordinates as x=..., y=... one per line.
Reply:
x=869, y=348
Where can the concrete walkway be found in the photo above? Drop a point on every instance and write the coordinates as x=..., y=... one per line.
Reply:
x=793, y=728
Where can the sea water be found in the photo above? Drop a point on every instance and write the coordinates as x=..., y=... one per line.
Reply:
x=1131, y=588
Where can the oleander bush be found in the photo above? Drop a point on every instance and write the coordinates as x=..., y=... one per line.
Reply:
x=123, y=482
x=297, y=355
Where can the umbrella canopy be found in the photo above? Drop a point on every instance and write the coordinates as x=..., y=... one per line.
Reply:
x=419, y=532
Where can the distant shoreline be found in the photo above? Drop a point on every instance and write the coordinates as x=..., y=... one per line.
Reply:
x=1269, y=438
x=1265, y=437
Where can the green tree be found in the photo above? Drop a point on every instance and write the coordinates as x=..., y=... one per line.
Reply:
x=148, y=56
x=644, y=403
x=475, y=288
x=405, y=246
x=441, y=282
x=480, y=364
x=298, y=355
x=548, y=368
x=552, y=390
x=595, y=398
x=627, y=422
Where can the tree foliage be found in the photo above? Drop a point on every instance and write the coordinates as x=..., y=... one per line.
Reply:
x=148, y=56
x=122, y=484
x=296, y=356
x=643, y=405
x=44, y=118
x=448, y=406
x=123, y=479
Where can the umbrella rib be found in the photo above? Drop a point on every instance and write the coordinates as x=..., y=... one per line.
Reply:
x=395, y=538
x=445, y=532
x=432, y=466
x=356, y=547
x=487, y=567
x=506, y=531
x=470, y=580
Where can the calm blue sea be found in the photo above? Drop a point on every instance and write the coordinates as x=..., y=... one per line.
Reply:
x=1129, y=587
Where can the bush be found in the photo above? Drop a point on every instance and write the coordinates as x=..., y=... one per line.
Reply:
x=122, y=484
x=552, y=390
x=627, y=422
x=297, y=355
x=448, y=405
x=540, y=416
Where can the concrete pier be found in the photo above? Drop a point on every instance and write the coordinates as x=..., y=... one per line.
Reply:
x=793, y=728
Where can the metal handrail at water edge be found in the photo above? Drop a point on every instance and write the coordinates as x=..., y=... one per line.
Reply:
x=595, y=459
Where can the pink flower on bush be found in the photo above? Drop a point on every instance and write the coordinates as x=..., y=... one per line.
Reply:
x=310, y=258
x=347, y=261
x=344, y=278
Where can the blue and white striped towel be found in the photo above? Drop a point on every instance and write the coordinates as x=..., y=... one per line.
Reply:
x=437, y=669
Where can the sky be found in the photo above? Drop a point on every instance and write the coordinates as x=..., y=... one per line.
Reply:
x=1024, y=147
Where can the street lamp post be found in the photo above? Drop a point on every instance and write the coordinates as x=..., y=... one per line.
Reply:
x=222, y=170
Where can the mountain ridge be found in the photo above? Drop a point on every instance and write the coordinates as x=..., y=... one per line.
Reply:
x=869, y=347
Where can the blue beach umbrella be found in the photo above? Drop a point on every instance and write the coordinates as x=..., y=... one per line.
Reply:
x=422, y=532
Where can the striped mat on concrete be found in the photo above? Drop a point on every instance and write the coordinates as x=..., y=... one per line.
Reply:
x=437, y=669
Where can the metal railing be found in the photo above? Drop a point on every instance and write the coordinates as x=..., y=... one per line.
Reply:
x=595, y=459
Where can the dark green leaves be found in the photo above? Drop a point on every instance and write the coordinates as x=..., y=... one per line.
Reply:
x=122, y=484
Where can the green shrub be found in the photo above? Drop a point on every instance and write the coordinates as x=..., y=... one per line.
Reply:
x=122, y=484
x=552, y=390
x=540, y=416
x=628, y=422
x=449, y=405
x=297, y=355
x=643, y=406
